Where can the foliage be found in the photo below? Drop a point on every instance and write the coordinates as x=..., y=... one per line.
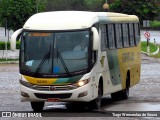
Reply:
x=3, y=45
x=89, y=5
x=8, y=60
x=144, y=9
x=155, y=24
x=16, y=12
x=94, y=5
x=41, y=5
x=57, y=5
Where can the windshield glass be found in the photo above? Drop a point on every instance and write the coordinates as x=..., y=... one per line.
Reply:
x=54, y=52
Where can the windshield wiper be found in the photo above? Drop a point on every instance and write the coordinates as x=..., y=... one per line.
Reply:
x=63, y=63
x=39, y=68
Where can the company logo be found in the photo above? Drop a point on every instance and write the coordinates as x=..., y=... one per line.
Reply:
x=52, y=88
x=6, y=114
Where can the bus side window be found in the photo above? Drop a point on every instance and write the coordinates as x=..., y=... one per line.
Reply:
x=131, y=34
x=125, y=35
x=111, y=38
x=103, y=38
x=137, y=33
x=118, y=30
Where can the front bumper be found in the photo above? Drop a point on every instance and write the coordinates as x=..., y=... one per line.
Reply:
x=62, y=93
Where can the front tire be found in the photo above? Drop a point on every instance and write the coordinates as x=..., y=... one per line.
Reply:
x=96, y=103
x=37, y=106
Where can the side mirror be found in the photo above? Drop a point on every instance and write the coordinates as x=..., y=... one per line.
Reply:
x=95, y=39
x=14, y=39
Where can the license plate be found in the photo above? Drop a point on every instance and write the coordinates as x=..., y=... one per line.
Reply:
x=53, y=100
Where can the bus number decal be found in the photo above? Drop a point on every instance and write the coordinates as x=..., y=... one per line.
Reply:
x=41, y=81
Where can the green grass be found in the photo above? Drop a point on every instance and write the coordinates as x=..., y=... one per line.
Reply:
x=157, y=55
x=153, y=48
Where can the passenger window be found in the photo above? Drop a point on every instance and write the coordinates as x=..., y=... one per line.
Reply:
x=103, y=38
x=125, y=35
x=111, y=38
x=118, y=35
x=137, y=33
x=131, y=34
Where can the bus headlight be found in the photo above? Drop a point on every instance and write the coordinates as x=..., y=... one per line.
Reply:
x=82, y=82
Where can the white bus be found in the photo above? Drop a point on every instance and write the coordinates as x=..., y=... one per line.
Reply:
x=78, y=56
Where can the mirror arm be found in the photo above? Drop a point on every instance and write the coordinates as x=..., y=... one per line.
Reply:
x=14, y=39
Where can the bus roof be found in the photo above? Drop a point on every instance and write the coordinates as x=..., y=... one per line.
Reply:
x=69, y=20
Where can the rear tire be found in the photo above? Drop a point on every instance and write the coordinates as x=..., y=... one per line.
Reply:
x=37, y=106
x=123, y=94
x=96, y=103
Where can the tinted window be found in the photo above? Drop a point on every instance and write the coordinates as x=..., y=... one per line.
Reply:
x=111, y=39
x=103, y=37
x=118, y=31
x=125, y=35
x=137, y=33
x=131, y=34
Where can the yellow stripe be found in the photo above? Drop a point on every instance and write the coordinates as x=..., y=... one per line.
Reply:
x=40, y=81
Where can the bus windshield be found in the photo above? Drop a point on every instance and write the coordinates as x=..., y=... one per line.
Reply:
x=54, y=53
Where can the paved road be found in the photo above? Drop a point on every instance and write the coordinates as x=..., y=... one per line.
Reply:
x=144, y=96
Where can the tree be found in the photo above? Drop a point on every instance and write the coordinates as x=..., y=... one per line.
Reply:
x=83, y=5
x=95, y=5
x=41, y=5
x=16, y=12
x=144, y=9
x=57, y=5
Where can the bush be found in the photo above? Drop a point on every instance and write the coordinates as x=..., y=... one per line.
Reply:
x=3, y=45
x=155, y=24
x=18, y=45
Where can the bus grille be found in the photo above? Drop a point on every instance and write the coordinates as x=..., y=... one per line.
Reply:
x=60, y=96
x=47, y=87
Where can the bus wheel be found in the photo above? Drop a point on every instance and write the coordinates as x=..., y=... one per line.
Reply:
x=96, y=103
x=125, y=93
x=37, y=106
